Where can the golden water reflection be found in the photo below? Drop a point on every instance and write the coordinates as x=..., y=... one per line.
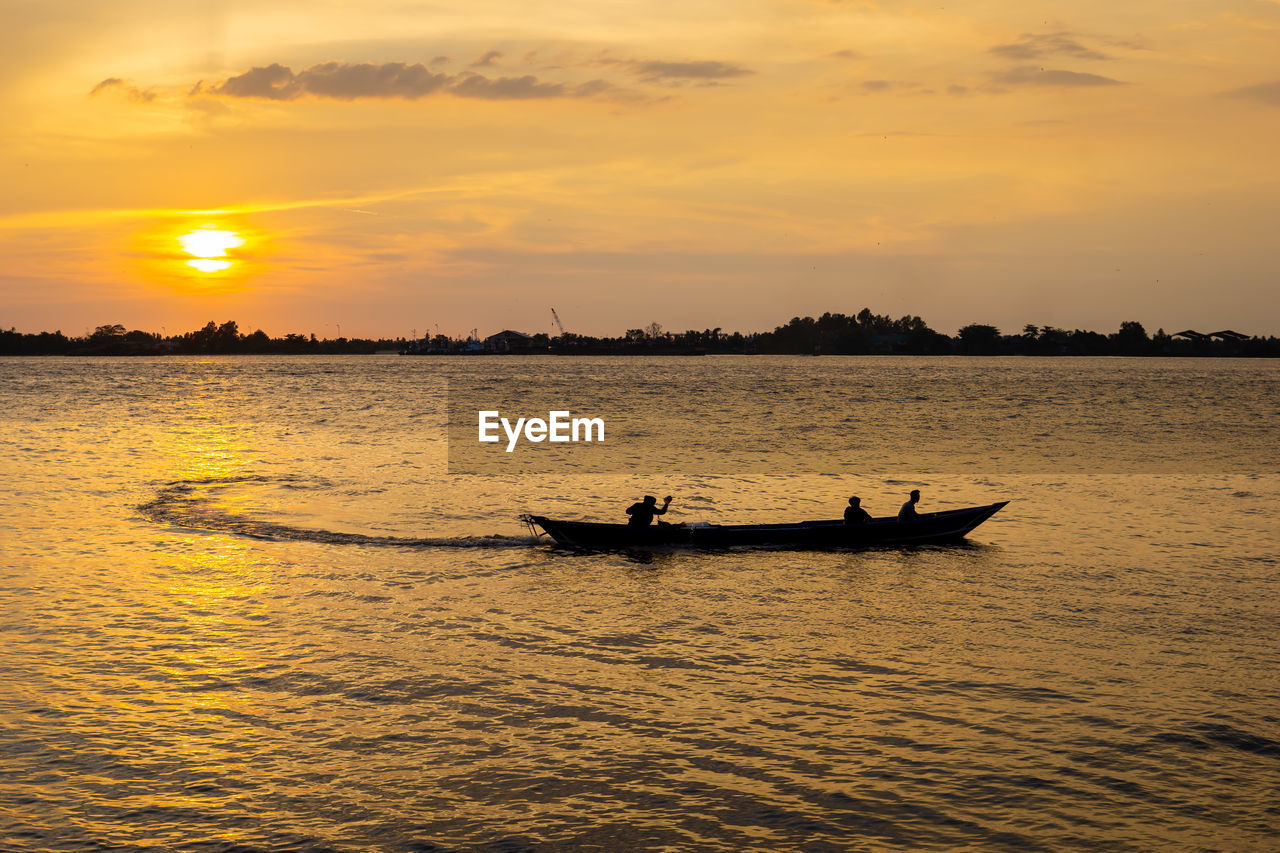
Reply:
x=178, y=680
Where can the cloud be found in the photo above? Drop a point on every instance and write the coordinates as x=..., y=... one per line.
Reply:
x=1036, y=45
x=597, y=87
x=335, y=80
x=106, y=84
x=1030, y=75
x=1268, y=93
x=391, y=80
x=132, y=92
x=487, y=59
x=507, y=88
x=344, y=82
x=844, y=54
x=879, y=85
x=273, y=81
x=708, y=70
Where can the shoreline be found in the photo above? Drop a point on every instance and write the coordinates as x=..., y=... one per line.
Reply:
x=632, y=355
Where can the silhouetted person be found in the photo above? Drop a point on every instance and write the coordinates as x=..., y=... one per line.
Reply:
x=642, y=513
x=908, y=511
x=854, y=513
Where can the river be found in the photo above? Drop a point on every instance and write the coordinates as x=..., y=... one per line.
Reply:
x=260, y=604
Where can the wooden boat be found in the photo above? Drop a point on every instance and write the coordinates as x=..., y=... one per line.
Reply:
x=928, y=527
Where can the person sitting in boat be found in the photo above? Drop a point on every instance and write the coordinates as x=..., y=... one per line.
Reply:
x=854, y=513
x=908, y=511
x=642, y=513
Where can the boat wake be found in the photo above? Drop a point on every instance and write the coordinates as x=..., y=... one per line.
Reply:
x=191, y=504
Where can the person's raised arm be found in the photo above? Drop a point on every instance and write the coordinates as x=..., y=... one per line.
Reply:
x=666, y=502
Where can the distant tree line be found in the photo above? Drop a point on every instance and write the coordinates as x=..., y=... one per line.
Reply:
x=863, y=333
x=212, y=339
x=866, y=333
x=1131, y=339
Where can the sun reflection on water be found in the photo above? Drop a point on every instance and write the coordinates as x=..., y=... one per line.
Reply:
x=179, y=680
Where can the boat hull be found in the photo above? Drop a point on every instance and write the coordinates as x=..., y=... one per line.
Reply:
x=948, y=526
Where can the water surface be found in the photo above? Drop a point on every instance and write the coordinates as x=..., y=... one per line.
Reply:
x=245, y=607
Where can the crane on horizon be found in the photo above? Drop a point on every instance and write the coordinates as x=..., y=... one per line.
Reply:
x=559, y=325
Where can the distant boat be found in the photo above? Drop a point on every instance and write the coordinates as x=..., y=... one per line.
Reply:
x=928, y=527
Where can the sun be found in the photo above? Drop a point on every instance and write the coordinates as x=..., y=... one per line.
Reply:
x=209, y=264
x=209, y=246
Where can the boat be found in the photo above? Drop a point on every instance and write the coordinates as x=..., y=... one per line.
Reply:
x=926, y=528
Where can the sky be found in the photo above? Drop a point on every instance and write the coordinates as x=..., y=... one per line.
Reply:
x=388, y=167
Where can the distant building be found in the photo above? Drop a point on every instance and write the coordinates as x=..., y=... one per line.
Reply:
x=508, y=340
x=1228, y=335
x=1224, y=335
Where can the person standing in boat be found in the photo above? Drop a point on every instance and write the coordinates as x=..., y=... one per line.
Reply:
x=642, y=513
x=908, y=511
x=854, y=513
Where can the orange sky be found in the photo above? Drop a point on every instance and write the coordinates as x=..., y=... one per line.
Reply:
x=399, y=165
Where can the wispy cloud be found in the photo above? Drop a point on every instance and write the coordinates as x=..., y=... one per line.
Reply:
x=707, y=72
x=1268, y=93
x=1037, y=45
x=657, y=70
x=77, y=218
x=1030, y=75
x=517, y=88
x=130, y=91
x=488, y=59
x=109, y=83
x=347, y=82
